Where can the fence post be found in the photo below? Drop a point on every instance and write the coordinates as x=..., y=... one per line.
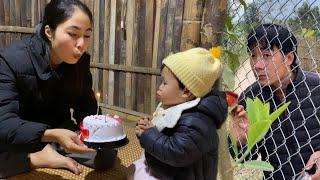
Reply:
x=211, y=35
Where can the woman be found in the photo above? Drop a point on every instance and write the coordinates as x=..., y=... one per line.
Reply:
x=41, y=79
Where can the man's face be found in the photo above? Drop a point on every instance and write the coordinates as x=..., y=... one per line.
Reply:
x=271, y=66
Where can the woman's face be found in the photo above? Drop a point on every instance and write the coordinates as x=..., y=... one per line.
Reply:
x=70, y=39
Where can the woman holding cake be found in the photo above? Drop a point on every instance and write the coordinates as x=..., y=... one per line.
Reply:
x=181, y=141
x=41, y=79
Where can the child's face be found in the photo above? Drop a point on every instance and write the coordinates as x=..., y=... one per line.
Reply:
x=169, y=93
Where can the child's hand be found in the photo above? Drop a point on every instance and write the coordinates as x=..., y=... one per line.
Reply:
x=142, y=125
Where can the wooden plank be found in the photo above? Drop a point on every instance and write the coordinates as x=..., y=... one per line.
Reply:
x=17, y=12
x=149, y=25
x=26, y=13
x=124, y=110
x=192, y=17
x=117, y=52
x=155, y=54
x=130, y=53
x=95, y=55
x=2, y=36
x=112, y=50
x=140, y=81
x=214, y=15
x=162, y=35
x=178, y=23
x=169, y=27
x=105, y=53
x=127, y=68
x=33, y=12
x=122, y=75
x=16, y=29
x=7, y=19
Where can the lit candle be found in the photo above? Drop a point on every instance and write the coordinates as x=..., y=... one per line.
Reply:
x=98, y=99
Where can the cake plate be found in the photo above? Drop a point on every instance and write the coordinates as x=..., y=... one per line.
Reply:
x=108, y=145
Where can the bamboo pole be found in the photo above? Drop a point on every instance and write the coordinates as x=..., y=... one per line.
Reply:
x=211, y=35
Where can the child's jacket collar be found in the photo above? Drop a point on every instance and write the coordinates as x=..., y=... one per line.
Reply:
x=168, y=118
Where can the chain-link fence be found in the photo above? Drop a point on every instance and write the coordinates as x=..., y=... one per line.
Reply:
x=277, y=69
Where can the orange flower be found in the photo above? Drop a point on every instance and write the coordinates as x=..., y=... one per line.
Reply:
x=216, y=52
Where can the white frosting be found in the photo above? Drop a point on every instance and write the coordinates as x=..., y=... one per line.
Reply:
x=103, y=128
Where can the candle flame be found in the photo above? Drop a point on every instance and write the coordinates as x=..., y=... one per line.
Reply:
x=98, y=95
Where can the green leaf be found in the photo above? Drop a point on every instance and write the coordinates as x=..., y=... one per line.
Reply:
x=256, y=164
x=228, y=78
x=228, y=23
x=257, y=131
x=251, y=110
x=244, y=4
x=308, y=33
x=278, y=112
x=233, y=61
x=234, y=143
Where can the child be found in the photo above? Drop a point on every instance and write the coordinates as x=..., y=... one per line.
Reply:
x=181, y=141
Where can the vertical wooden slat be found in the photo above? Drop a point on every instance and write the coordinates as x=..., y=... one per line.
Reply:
x=192, y=17
x=95, y=55
x=117, y=52
x=140, y=83
x=2, y=22
x=17, y=11
x=162, y=35
x=130, y=52
x=33, y=12
x=106, y=28
x=178, y=23
x=214, y=14
x=149, y=25
x=122, y=75
x=7, y=19
x=112, y=50
x=169, y=27
x=155, y=53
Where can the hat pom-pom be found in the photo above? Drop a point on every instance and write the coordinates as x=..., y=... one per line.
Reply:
x=216, y=52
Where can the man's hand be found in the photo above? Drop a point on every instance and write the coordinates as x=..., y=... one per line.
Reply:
x=314, y=160
x=142, y=125
x=239, y=124
x=69, y=140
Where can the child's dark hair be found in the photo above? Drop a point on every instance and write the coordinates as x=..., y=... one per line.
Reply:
x=181, y=86
x=58, y=11
x=268, y=36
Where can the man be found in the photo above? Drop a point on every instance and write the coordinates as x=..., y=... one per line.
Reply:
x=293, y=141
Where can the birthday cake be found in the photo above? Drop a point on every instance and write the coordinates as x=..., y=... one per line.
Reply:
x=102, y=129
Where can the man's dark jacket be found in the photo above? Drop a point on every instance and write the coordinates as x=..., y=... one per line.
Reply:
x=296, y=134
x=34, y=97
x=189, y=151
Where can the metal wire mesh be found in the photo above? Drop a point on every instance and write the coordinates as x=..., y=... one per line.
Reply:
x=267, y=71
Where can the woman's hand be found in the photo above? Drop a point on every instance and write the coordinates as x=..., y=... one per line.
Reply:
x=69, y=140
x=239, y=124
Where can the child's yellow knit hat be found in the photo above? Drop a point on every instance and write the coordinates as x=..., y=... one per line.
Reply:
x=196, y=68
